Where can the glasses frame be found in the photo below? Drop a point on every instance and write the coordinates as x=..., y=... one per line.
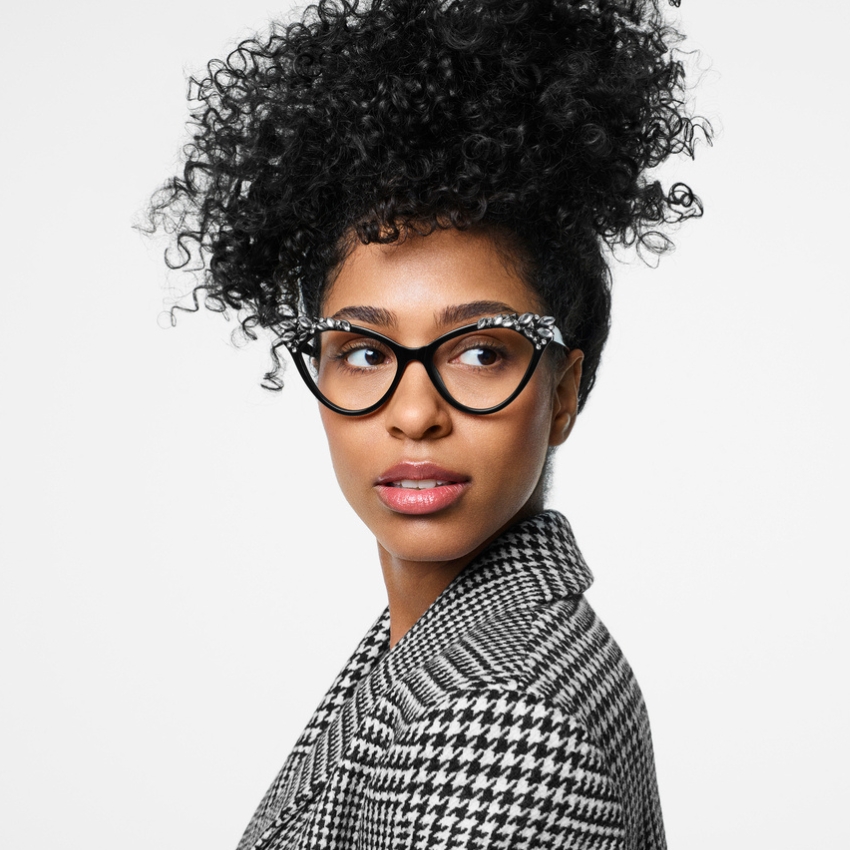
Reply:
x=295, y=333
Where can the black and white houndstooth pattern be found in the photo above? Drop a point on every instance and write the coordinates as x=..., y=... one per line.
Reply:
x=506, y=717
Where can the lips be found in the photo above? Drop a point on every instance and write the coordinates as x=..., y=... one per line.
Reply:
x=420, y=488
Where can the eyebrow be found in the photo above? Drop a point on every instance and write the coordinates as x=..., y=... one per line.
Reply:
x=454, y=315
x=458, y=313
x=372, y=315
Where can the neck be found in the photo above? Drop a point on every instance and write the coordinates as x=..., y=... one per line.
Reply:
x=412, y=587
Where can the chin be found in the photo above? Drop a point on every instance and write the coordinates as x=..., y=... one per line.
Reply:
x=433, y=538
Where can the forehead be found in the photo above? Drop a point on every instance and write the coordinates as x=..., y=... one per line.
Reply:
x=419, y=277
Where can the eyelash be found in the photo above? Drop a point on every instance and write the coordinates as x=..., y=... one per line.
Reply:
x=487, y=345
x=358, y=345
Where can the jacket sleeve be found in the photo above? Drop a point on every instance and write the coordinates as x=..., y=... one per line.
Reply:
x=491, y=769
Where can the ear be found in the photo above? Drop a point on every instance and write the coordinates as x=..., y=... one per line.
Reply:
x=565, y=401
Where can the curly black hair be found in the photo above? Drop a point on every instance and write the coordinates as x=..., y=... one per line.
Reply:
x=369, y=120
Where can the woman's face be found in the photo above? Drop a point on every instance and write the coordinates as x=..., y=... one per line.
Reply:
x=493, y=463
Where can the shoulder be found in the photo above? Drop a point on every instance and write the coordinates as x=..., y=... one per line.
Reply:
x=559, y=651
x=496, y=726
x=493, y=762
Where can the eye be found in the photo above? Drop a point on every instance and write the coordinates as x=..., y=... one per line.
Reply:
x=478, y=355
x=364, y=358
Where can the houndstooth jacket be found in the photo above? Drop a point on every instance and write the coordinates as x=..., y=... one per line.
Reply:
x=506, y=717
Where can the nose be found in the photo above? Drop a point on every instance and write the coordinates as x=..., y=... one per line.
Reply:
x=416, y=410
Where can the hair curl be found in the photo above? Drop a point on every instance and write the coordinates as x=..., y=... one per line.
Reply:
x=540, y=118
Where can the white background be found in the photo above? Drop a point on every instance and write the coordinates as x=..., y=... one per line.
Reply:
x=180, y=578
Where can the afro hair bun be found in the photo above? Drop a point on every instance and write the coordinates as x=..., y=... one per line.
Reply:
x=541, y=117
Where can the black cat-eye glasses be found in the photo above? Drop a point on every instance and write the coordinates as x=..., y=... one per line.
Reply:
x=478, y=368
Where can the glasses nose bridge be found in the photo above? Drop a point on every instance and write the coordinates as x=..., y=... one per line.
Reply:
x=405, y=356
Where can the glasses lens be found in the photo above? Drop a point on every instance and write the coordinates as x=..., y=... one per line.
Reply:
x=350, y=370
x=483, y=368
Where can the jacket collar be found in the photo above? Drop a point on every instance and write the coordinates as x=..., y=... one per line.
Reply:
x=534, y=562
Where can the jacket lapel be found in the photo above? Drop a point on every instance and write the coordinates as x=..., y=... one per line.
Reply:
x=306, y=767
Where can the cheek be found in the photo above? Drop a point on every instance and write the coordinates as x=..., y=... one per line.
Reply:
x=532, y=436
x=335, y=434
x=533, y=416
x=531, y=441
x=511, y=446
x=345, y=441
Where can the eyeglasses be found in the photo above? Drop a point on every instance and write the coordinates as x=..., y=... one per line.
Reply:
x=478, y=368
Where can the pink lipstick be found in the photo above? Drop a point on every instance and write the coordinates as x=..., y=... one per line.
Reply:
x=420, y=488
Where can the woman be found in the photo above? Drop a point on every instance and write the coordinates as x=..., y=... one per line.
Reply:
x=414, y=196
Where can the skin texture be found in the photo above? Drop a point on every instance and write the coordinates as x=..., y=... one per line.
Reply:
x=501, y=454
